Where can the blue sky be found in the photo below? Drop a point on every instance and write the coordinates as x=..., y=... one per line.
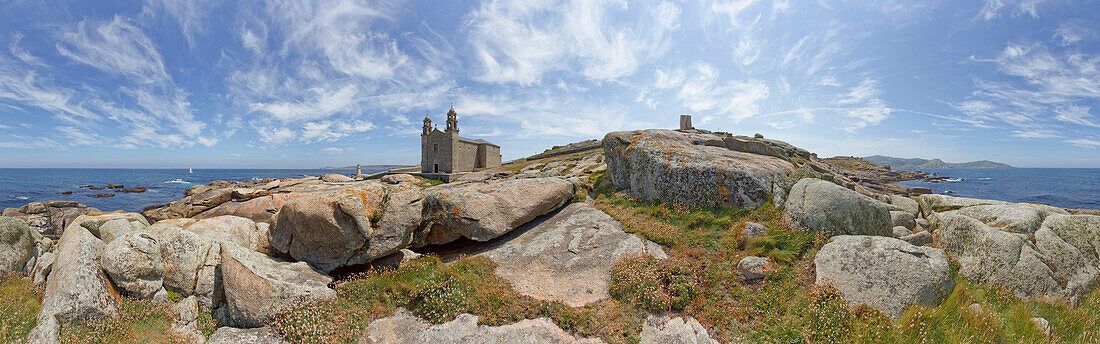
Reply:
x=303, y=84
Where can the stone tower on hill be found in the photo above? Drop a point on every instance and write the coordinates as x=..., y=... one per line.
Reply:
x=446, y=152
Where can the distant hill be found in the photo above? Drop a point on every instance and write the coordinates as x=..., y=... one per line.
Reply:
x=917, y=163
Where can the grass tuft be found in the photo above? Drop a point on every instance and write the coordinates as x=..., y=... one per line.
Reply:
x=19, y=305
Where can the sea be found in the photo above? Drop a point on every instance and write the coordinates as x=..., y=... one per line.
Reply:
x=1062, y=187
x=19, y=186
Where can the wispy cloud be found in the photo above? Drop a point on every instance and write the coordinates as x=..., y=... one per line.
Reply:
x=1041, y=92
x=519, y=41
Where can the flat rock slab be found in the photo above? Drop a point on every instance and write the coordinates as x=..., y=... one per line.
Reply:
x=405, y=328
x=567, y=255
x=663, y=329
x=230, y=335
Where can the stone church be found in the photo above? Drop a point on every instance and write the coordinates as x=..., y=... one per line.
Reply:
x=446, y=152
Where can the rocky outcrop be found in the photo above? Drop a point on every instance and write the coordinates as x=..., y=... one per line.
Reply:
x=230, y=335
x=689, y=168
x=885, y=273
x=399, y=178
x=259, y=209
x=567, y=256
x=665, y=329
x=336, y=178
x=931, y=204
x=234, y=229
x=118, y=220
x=16, y=245
x=819, y=205
x=258, y=287
x=49, y=218
x=1055, y=264
x=1017, y=218
x=343, y=228
x=77, y=289
x=483, y=211
x=405, y=328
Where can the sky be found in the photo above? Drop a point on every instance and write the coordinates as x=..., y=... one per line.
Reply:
x=305, y=84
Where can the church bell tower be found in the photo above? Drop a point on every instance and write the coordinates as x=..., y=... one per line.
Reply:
x=452, y=120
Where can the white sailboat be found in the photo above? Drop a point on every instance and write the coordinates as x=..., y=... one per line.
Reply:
x=190, y=170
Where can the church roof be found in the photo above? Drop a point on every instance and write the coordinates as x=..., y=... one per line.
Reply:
x=478, y=141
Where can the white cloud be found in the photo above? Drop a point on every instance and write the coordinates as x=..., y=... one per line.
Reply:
x=1085, y=143
x=991, y=9
x=1035, y=134
x=518, y=41
x=328, y=131
x=702, y=91
x=1040, y=92
x=321, y=103
x=116, y=47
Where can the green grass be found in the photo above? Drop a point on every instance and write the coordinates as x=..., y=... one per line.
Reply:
x=438, y=292
x=138, y=322
x=19, y=305
x=699, y=278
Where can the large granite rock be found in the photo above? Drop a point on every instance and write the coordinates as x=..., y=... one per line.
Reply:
x=258, y=287
x=1017, y=218
x=111, y=221
x=689, y=168
x=931, y=204
x=234, y=229
x=345, y=228
x=885, y=273
x=133, y=262
x=483, y=211
x=230, y=335
x=903, y=203
x=184, y=318
x=664, y=329
x=190, y=261
x=567, y=256
x=903, y=219
x=16, y=245
x=405, y=328
x=1055, y=264
x=336, y=178
x=77, y=289
x=259, y=209
x=823, y=206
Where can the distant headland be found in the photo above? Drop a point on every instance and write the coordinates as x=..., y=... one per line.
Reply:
x=918, y=163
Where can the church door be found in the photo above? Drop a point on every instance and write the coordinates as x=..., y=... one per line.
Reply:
x=436, y=170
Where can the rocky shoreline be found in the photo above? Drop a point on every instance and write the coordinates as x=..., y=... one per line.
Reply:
x=245, y=253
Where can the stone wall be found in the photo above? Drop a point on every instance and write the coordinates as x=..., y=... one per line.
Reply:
x=431, y=155
x=464, y=157
x=488, y=156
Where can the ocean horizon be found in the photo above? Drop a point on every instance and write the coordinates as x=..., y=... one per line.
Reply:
x=19, y=186
x=1061, y=187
